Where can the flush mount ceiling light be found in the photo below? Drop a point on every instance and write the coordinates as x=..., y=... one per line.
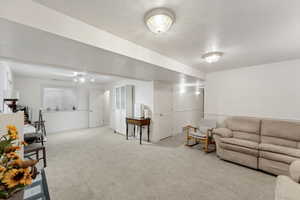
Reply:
x=82, y=77
x=212, y=57
x=159, y=20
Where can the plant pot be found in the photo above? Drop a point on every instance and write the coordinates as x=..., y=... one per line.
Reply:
x=16, y=196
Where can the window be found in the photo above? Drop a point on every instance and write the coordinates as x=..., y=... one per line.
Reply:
x=59, y=98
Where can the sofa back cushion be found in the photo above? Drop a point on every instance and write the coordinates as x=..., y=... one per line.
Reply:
x=244, y=124
x=246, y=136
x=282, y=133
x=278, y=141
x=246, y=128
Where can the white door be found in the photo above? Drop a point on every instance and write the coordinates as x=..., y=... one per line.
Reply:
x=118, y=112
x=95, y=108
x=107, y=108
x=163, y=110
x=120, y=109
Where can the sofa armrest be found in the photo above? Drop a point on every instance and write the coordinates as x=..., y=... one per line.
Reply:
x=223, y=132
x=295, y=171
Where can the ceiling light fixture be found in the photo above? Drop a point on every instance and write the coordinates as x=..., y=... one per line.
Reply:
x=159, y=20
x=212, y=57
x=82, y=77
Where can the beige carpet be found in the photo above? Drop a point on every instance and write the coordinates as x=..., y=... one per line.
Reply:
x=96, y=164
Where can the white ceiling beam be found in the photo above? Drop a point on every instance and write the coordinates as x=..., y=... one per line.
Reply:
x=34, y=15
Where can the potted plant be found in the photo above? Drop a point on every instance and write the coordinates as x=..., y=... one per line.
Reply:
x=15, y=173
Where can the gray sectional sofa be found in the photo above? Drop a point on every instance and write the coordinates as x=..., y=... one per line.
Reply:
x=268, y=145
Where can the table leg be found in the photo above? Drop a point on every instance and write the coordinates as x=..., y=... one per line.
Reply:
x=148, y=133
x=133, y=130
x=141, y=134
x=126, y=131
x=44, y=157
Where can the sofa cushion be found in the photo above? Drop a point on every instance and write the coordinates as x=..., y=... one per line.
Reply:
x=240, y=149
x=273, y=166
x=277, y=157
x=238, y=145
x=244, y=124
x=281, y=129
x=223, y=132
x=280, y=150
x=240, y=158
x=278, y=141
x=246, y=136
x=239, y=142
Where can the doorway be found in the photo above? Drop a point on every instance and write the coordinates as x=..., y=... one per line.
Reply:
x=96, y=102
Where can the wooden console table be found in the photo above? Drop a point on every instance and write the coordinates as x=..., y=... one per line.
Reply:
x=138, y=122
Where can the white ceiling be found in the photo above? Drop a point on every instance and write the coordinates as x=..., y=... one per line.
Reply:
x=248, y=32
x=55, y=73
x=51, y=50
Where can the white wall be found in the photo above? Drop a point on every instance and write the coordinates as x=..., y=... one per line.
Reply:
x=6, y=81
x=143, y=93
x=31, y=95
x=270, y=91
x=66, y=120
x=170, y=109
x=176, y=107
x=31, y=92
x=187, y=108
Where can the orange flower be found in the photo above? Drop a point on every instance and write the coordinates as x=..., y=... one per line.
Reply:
x=11, y=128
x=13, y=134
x=12, y=155
x=12, y=149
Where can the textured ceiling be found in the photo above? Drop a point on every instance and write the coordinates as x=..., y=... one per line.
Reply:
x=248, y=32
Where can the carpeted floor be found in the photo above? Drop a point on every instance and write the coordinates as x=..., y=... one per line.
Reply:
x=95, y=164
